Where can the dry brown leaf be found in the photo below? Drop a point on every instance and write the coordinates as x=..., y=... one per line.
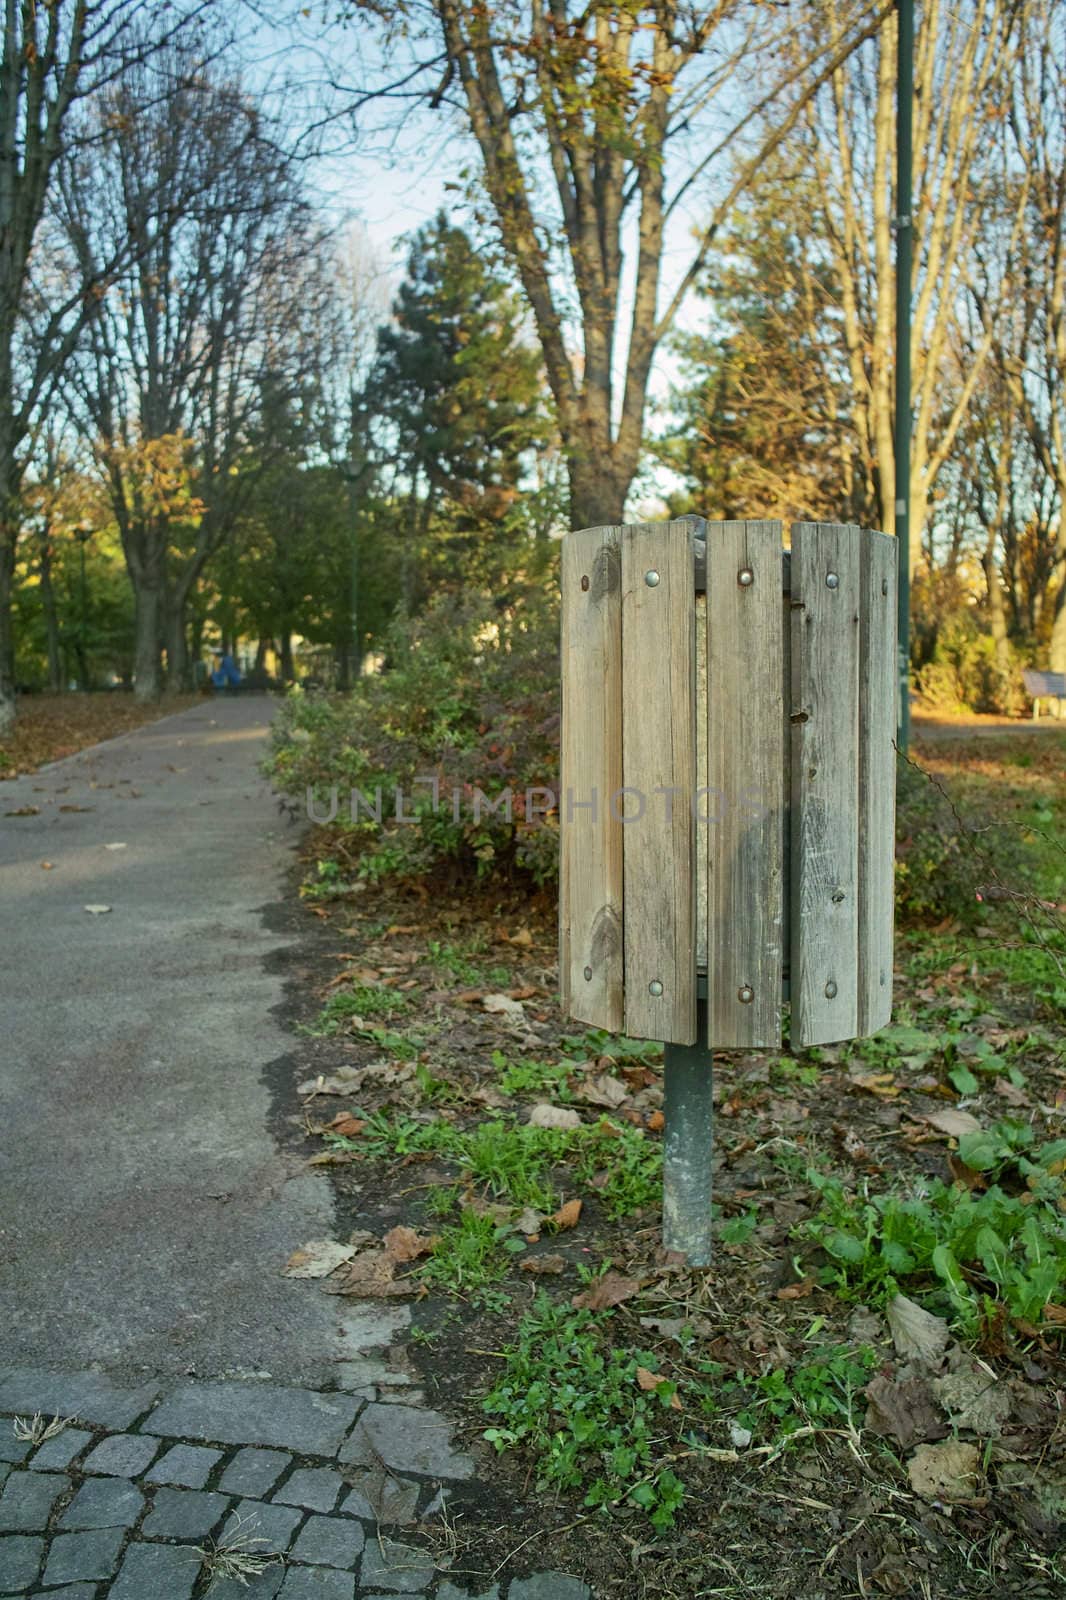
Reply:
x=606, y=1090
x=317, y=1259
x=649, y=1381
x=546, y=1263
x=882, y=1084
x=331, y=1158
x=610, y=1290
x=656, y=1122
x=916, y=1332
x=568, y=1215
x=947, y=1471
x=904, y=1410
x=346, y=1125
x=548, y=1116
x=797, y=1291
x=372, y=1273
x=953, y=1122
x=404, y=1244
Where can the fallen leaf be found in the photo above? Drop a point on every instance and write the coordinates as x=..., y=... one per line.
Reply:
x=656, y=1122
x=947, y=1471
x=568, y=1215
x=25, y=811
x=610, y=1290
x=797, y=1291
x=974, y=1400
x=953, y=1122
x=916, y=1332
x=546, y=1263
x=97, y=911
x=739, y=1437
x=882, y=1084
x=347, y=1125
x=528, y=1220
x=372, y=1273
x=317, y=1259
x=547, y=1116
x=1053, y=1313
x=78, y=808
x=404, y=1244
x=606, y=1090
x=650, y=1381
x=114, y=847
x=503, y=1006
x=343, y=1081
x=331, y=1158
x=904, y=1409
x=47, y=866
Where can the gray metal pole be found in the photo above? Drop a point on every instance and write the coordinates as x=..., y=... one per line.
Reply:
x=902, y=443
x=687, y=1147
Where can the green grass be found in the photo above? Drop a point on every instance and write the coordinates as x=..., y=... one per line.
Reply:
x=469, y=1256
x=534, y=1077
x=452, y=960
x=518, y=1163
x=364, y=1001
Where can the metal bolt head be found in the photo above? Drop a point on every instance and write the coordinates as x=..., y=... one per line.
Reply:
x=745, y=994
x=588, y=974
x=585, y=584
x=838, y=897
x=652, y=579
x=832, y=581
x=830, y=990
x=655, y=988
x=884, y=585
x=745, y=577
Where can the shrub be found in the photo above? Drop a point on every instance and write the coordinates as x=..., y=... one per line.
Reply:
x=965, y=672
x=468, y=698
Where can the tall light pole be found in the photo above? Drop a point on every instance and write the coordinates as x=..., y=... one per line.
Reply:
x=902, y=442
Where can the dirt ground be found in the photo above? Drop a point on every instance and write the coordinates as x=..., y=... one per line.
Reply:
x=811, y=1493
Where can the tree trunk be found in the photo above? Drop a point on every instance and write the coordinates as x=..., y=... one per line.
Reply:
x=146, y=668
x=179, y=676
x=7, y=632
x=288, y=670
x=51, y=622
x=997, y=612
x=1057, y=652
x=597, y=495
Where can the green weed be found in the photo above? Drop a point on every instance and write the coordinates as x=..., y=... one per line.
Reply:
x=469, y=1255
x=534, y=1077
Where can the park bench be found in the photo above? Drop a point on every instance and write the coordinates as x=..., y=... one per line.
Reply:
x=1044, y=686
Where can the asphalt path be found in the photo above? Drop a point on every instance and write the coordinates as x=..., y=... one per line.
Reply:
x=145, y=1208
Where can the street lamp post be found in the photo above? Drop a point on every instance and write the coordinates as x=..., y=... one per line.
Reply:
x=902, y=441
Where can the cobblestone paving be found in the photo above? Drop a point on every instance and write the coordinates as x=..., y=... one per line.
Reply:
x=124, y=1501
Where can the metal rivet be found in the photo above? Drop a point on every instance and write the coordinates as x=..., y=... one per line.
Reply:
x=585, y=583
x=588, y=974
x=830, y=990
x=884, y=585
x=832, y=581
x=838, y=896
x=745, y=995
x=651, y=578
x=655, y=987
x=745, y=577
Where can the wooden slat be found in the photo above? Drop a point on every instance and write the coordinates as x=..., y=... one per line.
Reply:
x=590, y=888
x=825, y=715
x=877, y=779
x=744, y=846
x=658, y=754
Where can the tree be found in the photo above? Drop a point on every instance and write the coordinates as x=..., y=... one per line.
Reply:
x=456, y=400
x=53, y=55
x=219, y=303
x=585, y=119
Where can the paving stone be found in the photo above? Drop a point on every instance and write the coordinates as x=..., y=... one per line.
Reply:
x=184, y=1514
x=264, y=1587
x=254, y=1472
x=59, y=1452
x=89, y=1396
x=317, y=1583
x=12, y=1449
x=256, y=1413
x=549, y=1586
x=381, y=1498
x=124, y=1455
x=316, y=1488
x=20, y=1561
x=330, y=1542
x=5, y=1472
x=74, y=1591
x=407, y=1439
x=27, y=1500
x=156, y=1569
x=104, y=1503
x=270, y=1527
x=82, y=1557
x=395, y=1567
x=448, y=1591
x=189, y=1465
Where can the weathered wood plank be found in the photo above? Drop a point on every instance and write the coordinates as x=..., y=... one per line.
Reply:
x=590, y=887
x=743, y=836
x=877, y=779
x=825, y=711
x=659, y=768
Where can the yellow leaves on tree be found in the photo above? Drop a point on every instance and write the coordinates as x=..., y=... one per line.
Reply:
x=157, y=477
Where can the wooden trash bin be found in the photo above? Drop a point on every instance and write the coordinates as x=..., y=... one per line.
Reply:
x=727, y=793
